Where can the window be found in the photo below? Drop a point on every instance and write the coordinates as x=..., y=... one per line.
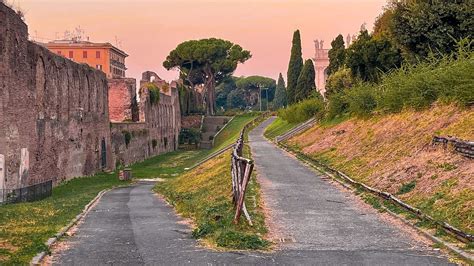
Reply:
x=84, y=54
x=71, y=54
x=99, y=67
x=59, y=53
x=97, y=54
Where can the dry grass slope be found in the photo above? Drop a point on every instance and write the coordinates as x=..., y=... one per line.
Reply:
x=204, y=195
x=393, y=153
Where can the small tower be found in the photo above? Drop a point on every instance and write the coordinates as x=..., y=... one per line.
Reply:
x=321, y=63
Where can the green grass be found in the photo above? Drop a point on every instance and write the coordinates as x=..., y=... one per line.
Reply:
x=203, y=195
x=24, y=227
x=174, y=163
x=278, y=127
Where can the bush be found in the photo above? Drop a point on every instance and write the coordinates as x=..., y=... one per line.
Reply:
x=361, y=100
x=303, y=110
x=448, y=79
x=337, y=105
x=154, y=93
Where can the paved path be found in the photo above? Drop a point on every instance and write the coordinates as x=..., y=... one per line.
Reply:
x=131, y=226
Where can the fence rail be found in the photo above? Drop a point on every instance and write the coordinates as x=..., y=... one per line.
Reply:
x=296, y=130
x=463, y=147
x=241, y=170
x=27, y=194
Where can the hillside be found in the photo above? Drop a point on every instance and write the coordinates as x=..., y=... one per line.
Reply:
x=394, y=153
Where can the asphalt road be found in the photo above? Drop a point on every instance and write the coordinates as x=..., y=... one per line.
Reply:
x=325, y=226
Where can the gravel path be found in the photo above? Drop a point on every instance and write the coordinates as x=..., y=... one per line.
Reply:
x=325, y=226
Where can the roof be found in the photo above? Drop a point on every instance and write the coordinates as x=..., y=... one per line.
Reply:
x=82, y=44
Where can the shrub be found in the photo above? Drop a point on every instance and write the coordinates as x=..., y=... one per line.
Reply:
x=303, y=110
x=154, y=93
x=447, y=79
x=337, y=105
x=361, y=100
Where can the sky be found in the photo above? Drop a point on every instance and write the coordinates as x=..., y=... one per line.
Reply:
x=149, y=29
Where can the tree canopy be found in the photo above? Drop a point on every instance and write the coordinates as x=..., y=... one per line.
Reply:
x=207, y=62
x=306, y=84
x=367, y=57
x=280, y=99
x=294, y=68
x=421, y=26
x=337, y=55
x=247, y=88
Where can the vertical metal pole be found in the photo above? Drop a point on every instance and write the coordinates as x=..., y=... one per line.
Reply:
x=266, y=96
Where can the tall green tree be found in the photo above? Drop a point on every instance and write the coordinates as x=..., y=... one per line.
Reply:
x=306, y=84
x=294, y=68
x=207, y=62
x=337, y=55
x=280, y=95
x=421, y=26
x=368, y=57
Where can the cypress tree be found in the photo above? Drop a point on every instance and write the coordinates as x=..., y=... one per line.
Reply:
x=280, y=94
x=337, y=55
x=294, y=67
x=305, y=85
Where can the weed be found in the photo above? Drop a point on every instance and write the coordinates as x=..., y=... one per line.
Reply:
x=405, y=188
x=447, y=167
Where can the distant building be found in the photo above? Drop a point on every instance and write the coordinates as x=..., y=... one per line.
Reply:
x=102, y=56
x=321, y=63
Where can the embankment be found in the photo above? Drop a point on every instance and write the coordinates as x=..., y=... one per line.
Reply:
x=394, y=153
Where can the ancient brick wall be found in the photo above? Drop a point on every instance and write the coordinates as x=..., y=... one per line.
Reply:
x=159, y=126
x=123, y=106
x=54, y=121
x=135, y=147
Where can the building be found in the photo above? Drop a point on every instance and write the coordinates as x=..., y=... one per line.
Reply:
x=321, y=63
x=102, y=56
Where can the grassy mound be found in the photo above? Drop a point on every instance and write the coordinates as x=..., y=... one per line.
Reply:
x=204, y=195
x=393, y=153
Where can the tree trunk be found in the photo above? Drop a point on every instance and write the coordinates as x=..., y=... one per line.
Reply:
x=209, y=93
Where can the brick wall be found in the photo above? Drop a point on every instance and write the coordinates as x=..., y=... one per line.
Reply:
x=53, y=112
x=159, y=126
x=123, y=106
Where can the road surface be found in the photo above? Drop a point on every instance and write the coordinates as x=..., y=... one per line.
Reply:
x=322, y=224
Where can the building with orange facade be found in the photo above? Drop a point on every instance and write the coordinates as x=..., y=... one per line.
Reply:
x=102, y=56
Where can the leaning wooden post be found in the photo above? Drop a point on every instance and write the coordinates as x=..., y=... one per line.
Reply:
x=246, y=178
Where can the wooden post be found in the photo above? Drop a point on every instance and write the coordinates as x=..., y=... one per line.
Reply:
x=246, y=178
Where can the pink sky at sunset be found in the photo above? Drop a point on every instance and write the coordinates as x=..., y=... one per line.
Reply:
x=149, y=29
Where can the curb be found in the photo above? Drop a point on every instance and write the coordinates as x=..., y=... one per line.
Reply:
x=51, y=241
x=435, y=239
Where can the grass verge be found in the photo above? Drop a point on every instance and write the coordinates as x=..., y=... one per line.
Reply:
x=278, y=127
x=174, y=163
x=25, y=227
x=204, y=195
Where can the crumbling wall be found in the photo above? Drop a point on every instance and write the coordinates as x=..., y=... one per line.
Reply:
x=131, y=142
x=159, y=126
x=53, y=112
x=123, y=105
